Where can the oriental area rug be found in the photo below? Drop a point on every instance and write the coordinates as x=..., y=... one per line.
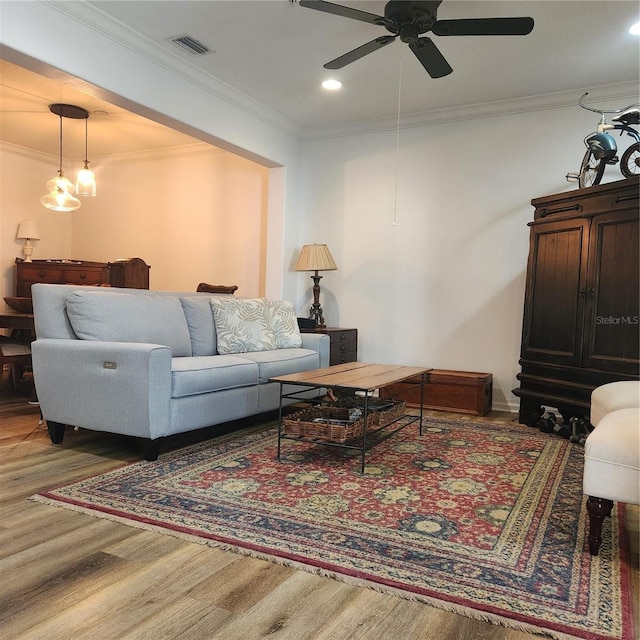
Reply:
x=483, y=519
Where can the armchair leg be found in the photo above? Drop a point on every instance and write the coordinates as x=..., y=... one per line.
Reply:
x=56, y=431
x=598, y=509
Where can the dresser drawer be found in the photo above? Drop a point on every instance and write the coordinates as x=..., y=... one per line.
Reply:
x=85, y=276
x=41, y=274
x=59, y=272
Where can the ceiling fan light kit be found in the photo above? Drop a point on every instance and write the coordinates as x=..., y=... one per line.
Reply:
x=409, y=20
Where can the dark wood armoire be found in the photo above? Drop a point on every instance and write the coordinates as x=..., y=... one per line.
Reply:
x=581, y=313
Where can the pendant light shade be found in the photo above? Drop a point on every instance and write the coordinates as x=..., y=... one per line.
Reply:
x=86, y=180
x=60, y=196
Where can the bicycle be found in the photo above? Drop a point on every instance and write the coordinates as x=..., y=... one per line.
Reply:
x=602, y=148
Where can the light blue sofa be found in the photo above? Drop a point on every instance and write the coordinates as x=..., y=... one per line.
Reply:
x=152, y=364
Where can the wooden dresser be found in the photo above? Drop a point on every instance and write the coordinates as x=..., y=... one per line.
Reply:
x=344, y=343
x=133, y=273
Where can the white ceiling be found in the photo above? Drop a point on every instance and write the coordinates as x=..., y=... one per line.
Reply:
x=272, y=52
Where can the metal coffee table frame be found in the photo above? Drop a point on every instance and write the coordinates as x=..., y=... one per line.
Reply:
x=351, y=378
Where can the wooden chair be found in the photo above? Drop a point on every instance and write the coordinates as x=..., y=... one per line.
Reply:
x=16, y=354
x=203, y=287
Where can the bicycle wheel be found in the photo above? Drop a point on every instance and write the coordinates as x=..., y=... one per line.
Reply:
x=630, y=162
x=591, y=170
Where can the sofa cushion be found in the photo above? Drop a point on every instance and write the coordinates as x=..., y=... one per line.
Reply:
x=281, y=362
x=285, y=324
x=242, y=325
x=124, y=317
x=205, y=374
x=202, y=329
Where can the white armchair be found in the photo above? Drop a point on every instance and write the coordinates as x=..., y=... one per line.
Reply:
x=611, y=454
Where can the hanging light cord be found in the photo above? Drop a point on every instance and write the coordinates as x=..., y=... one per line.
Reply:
x=60, y=169
x=86, y=141
x=395, y=195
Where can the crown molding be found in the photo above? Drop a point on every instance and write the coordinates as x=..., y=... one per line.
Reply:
x=95, y=19
x=148, y=155
x=613, y=92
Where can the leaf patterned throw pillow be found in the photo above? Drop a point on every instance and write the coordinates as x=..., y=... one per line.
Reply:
x=242, y=325
x=285, y=324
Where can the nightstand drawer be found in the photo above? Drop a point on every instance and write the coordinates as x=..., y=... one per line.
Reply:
x=344, y=344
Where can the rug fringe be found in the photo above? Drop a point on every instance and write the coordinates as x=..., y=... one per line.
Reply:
x=135, y=524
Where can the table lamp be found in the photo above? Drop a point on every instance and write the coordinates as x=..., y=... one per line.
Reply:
x=27, y=231
x=315, y=257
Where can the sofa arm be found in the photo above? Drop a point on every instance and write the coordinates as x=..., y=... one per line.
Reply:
x=119, y=387
x=319, y=342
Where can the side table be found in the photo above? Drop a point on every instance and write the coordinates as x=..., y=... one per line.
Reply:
x=344, y=343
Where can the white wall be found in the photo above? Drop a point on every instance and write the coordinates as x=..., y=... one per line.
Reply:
x=193, y=218
x=444, y=286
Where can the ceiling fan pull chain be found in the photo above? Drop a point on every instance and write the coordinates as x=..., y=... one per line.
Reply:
x=395, y=195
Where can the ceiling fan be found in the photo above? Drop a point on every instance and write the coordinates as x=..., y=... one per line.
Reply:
x=408, y=20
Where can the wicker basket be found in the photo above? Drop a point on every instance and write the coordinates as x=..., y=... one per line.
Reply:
x=381, y=411
x=335, y=425
x=331, y=422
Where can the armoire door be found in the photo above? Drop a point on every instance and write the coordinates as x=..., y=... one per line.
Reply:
x=554, y=310
x=612, y=302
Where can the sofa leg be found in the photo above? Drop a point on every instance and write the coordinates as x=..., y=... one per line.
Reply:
x=598, y=509
x=150, y=449
x=56, y=431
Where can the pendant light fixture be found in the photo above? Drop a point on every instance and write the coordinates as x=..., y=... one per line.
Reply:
x=60, y=196
x=86, y=180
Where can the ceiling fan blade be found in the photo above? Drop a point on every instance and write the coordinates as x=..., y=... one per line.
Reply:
x=360, y=52
x=430, y=57
x=483, y=27
x=339, y=10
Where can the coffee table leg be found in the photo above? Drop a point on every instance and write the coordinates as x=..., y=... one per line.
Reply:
x=424, y=379
x=280, y=421
x=364, y=432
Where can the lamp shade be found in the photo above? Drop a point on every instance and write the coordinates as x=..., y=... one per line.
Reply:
x=27, y=230
x=315, y=257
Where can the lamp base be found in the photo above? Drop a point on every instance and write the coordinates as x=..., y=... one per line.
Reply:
x=316, y=310
x=27, y=249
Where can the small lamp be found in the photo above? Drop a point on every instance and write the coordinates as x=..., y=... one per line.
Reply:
x=27, y=231
x=315, y=257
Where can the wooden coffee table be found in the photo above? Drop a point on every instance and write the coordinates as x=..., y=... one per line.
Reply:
x=350, y=377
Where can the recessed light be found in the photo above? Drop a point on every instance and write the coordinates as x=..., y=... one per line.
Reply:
x=635, y=29
x=331, y=85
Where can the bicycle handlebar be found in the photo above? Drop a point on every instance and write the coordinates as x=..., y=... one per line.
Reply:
x=601, y=112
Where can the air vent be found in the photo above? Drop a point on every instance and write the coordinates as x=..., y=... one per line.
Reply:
x=190, y=45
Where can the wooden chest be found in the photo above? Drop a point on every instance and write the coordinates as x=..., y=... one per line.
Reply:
x=458, y=391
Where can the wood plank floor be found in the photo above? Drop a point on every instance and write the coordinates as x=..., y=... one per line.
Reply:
x=69, y=575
